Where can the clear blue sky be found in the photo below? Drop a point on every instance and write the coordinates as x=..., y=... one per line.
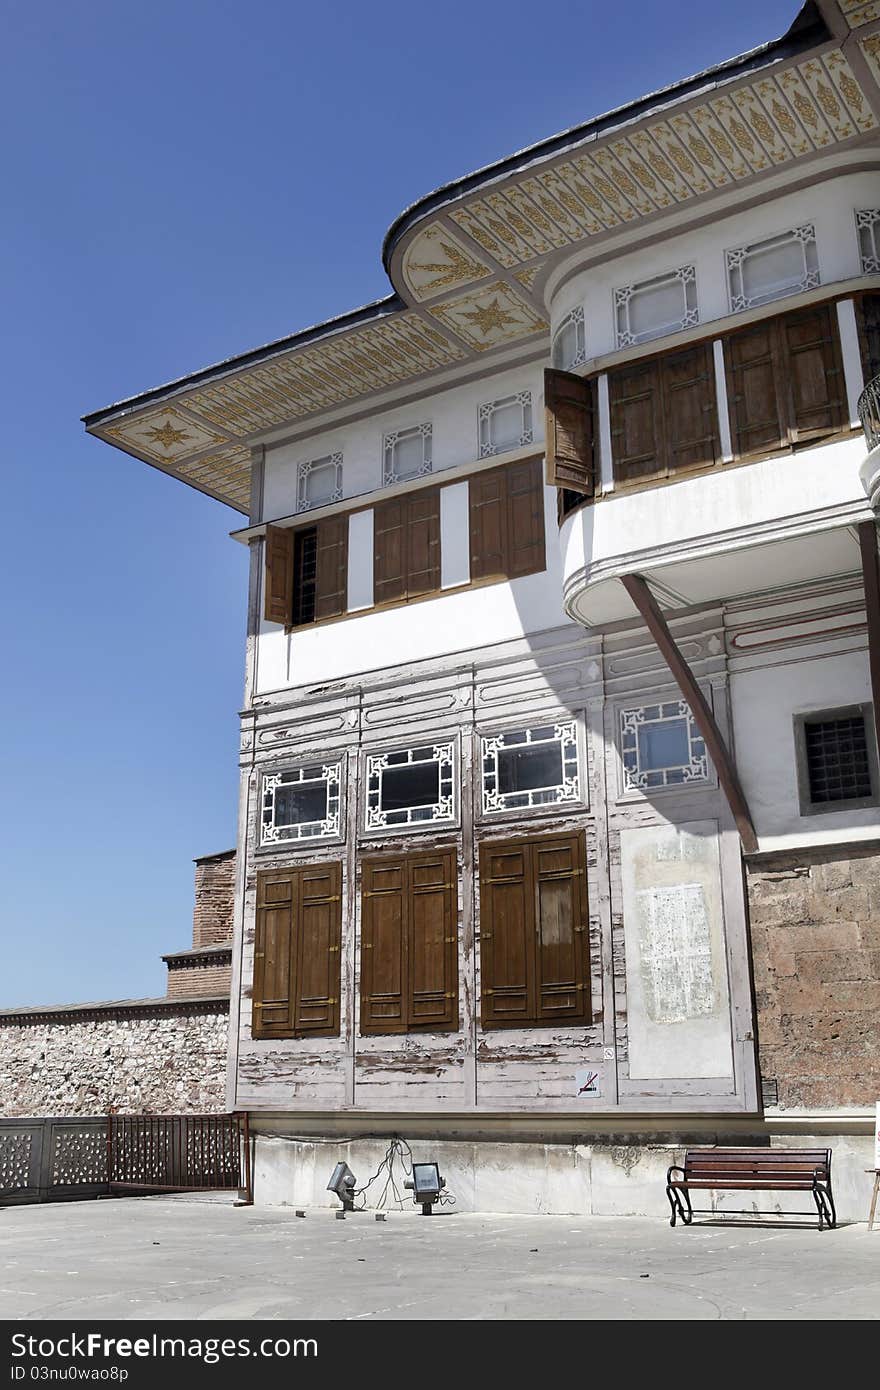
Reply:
x=183, y=181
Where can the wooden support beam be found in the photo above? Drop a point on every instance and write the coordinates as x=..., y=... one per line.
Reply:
x=871, y=581
x=656, y=624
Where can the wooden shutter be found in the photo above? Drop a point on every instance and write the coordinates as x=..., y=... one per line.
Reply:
x=278, y=598
x=432, y=942
x=757, y=417
x=525, y=518
x=389, y=553
x=507, y=988
x=409, y=943
x=561, y=935
x=689, y=408
x=273, y=956
x=487, y=508
x=569, y=424
x=297, y=952
x=813, y=371
x=332, y=567
x=317, y=977
x=868, y=319
x=383, y=945
x=422, y=542
x=534, y=948
x=637, y=425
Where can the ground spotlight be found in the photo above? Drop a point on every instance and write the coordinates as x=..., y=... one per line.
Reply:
x=426, y=1185
x=342, y=1182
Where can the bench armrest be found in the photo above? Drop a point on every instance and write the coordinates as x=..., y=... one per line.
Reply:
x=674, y=1169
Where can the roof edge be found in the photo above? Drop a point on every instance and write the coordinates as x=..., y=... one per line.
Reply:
x=807, y=29
x=353, y=318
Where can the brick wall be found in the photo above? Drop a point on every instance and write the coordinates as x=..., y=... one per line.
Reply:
x=208, y=977
x=214, y=899
x=815, y=928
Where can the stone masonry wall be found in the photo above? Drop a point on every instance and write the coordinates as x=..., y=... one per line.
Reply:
x=214, y=899
x=159, y=1060
x=815, y=928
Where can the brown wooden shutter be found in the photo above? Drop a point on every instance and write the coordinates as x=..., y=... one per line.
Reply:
x=561, y=931
x=383, y=945
x=689, y=408
x=332, y=567
x=813, y=371
x=278, y=598
x=422, y=542
x=432, y=942
x=296, y=985
x=570, y=430
x=868, y=320
x=318, y=940
x=525, y=512
x=637, y=425
x=488, y=524
x=507, y=984
x=389, y=552
x=757, y=417
x=274, y=955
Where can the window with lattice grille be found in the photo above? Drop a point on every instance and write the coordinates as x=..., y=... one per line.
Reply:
x=837, y=759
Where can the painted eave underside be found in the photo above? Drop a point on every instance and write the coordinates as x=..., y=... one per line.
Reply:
x=469, y=263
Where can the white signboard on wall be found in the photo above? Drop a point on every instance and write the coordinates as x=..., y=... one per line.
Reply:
x=678, y=999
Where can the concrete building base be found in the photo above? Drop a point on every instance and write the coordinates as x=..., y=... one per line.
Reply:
x=598, y=1173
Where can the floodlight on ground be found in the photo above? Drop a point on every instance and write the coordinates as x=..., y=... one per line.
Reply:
x=342, y=1183
x=426, y=1185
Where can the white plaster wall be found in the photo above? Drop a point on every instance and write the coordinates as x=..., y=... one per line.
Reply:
x=452, y=622
x=764, y=703
x=626, y=1179
x=830, y=205
x=454, y=418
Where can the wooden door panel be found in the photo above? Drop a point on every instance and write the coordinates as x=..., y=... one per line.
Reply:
x=488, y=525
x=815, y=374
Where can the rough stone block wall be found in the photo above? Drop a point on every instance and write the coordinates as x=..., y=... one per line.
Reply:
x=184, y=982
x=815, y=928
x=161, y=1061
x=214, y=899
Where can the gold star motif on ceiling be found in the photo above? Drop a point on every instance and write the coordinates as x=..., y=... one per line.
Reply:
x=167, y=435
x=492, y=316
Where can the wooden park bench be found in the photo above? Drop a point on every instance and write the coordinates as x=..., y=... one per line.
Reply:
x=752, y=1170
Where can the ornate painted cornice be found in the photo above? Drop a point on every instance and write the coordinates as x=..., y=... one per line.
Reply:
x=469, y=263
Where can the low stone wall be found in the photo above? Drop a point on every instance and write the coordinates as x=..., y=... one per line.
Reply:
x=147, y=1056
x=815, y=929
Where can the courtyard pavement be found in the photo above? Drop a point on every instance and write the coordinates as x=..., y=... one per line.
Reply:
x=181, y=1257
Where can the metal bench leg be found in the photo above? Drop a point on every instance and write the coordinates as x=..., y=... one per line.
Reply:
x=674, y=1195
x=688, y=1216
x=674, y=1203
x=829, y=1198
x=819, y=1199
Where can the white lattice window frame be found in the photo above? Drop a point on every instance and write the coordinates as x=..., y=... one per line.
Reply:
x=574, y=316
x=685, y=276
x=868, y=233
x=304, y=774
x=440, y=812
x=390, y=473
x=734, y=259
x=526, y=434
x=636, y=780
x=305, y=471
x=561, y=793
